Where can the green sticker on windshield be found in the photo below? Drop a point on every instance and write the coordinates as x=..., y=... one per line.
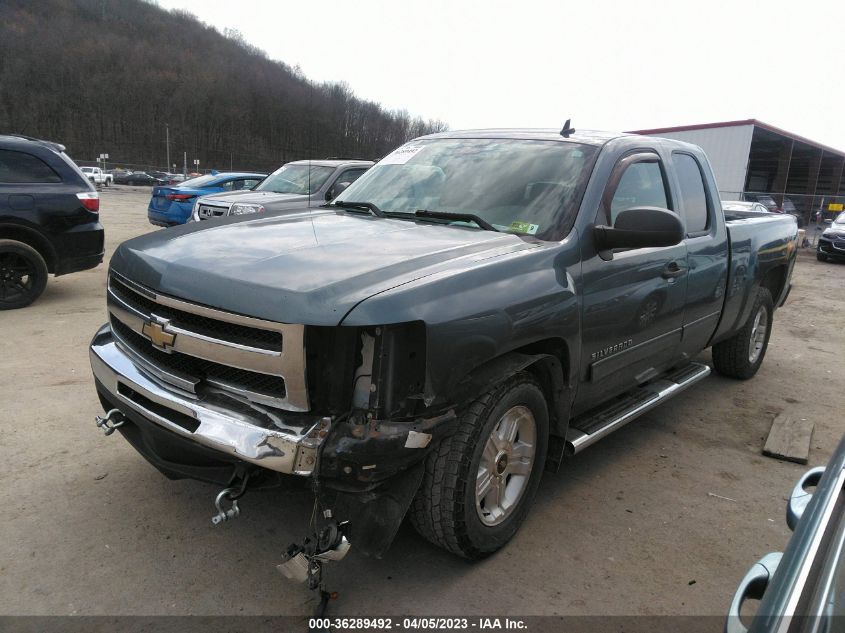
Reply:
x=518, y=226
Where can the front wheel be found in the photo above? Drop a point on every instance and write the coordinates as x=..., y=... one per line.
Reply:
x=23, y=274
x=741, y=355
x=821, y=257
x=479, y=482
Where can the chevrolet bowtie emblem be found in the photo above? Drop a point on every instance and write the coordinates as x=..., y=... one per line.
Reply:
x=154, y=330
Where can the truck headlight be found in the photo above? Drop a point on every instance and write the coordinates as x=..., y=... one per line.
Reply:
x=242, y=209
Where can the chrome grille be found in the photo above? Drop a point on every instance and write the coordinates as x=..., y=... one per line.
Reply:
x=207, y=212
x=197, y=347
x=265, y=339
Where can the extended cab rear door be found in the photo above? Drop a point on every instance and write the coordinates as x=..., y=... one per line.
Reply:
x=633, y=300
x=707, y=248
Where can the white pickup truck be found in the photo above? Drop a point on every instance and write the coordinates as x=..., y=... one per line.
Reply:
x=97, y=176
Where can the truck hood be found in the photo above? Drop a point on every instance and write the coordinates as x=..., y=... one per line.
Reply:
x=310, y=268
x=269, y=199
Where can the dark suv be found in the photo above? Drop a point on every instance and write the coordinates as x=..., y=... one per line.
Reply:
x=49, y=218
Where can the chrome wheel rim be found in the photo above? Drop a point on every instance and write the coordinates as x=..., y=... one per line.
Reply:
x=758, y=335
x=506, y=464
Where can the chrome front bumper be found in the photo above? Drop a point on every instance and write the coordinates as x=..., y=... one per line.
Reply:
x=239, y=433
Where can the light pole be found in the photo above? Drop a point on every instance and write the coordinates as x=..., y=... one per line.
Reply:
x=167, y=133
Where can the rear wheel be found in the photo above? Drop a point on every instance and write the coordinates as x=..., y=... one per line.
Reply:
x=480, y=482
x=741, y=355
x=23, y=274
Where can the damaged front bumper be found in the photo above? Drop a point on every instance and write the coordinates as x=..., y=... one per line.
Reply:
x=368, y=470
x=214, y=423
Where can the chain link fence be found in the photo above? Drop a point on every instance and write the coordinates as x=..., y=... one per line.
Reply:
x=810, y=211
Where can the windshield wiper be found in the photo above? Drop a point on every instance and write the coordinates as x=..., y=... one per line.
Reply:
x=466, y=217
x=362, y=206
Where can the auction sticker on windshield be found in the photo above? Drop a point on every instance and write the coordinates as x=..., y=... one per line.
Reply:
x=402, y=155
x=524, y=227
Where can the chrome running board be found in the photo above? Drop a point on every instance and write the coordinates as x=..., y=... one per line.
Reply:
x=596, y=424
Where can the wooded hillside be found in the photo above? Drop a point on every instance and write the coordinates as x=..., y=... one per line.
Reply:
x=105, y=76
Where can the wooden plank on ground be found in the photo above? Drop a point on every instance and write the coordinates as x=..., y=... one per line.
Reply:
x=789, y=439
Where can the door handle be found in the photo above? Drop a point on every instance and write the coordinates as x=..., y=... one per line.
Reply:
x=752, y=586
x=672, y=270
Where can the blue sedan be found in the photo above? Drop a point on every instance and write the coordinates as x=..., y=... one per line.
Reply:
x=173, y=204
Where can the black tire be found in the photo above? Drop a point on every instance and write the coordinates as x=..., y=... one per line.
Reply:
x=23, y=274
x=444, y=510
x=733, y=357
x=821, y=257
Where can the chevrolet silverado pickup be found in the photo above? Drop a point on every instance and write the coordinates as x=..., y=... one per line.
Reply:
x=473, y=310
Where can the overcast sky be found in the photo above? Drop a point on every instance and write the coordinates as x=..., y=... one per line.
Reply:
x=608, y=65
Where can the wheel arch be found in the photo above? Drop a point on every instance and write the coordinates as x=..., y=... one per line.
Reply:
x=775, y=281
x=547, y=360
x=31, y=238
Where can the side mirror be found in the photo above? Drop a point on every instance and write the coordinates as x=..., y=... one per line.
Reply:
x=641, y=227
x=336, y=189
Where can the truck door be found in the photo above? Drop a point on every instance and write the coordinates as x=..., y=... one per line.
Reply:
x=633, y=299
x=707, y=251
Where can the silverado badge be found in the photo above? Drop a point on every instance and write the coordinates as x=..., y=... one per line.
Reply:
x=155, y=331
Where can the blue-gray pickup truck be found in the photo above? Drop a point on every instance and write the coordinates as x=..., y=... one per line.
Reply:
x=471, y=311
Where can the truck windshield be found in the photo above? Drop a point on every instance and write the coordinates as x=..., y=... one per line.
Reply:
x=296, y=179
x=522, y=186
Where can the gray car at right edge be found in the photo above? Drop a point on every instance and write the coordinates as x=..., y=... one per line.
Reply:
x=802, y=590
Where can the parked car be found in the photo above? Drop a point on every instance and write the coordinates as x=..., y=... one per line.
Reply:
x=97, y=176
x=138, y=178
x=831, y=243
x=294, y=185
x=802, y=589
x=743, y=207
x=119, y=176
x=173, y=205
x=49, y=218
x=766, y=201
x=440, y=334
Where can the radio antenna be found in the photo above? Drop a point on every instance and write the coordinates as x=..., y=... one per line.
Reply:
x=567, y=129
x=310, y=137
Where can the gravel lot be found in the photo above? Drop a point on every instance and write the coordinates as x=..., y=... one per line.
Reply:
x=628, y=527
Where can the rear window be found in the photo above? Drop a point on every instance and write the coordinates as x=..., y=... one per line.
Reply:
x=693, y=193
x=200, y=181
x=20, y=167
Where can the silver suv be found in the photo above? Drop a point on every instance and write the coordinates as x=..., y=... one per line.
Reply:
x=301, y=183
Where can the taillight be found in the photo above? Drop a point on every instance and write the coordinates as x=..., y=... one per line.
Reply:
x=90, y=200
x=180, y=197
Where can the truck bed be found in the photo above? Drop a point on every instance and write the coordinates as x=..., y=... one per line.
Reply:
x=759, y=252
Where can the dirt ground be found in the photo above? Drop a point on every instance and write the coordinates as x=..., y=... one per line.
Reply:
x=631, y=526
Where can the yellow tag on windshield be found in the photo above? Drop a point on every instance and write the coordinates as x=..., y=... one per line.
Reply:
x=518, y=226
